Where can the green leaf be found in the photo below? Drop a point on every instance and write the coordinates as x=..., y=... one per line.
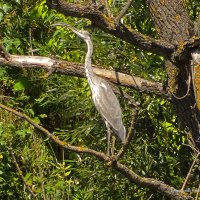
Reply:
x=2, y=72
x=43, y=116
x=21, y=84
x=27, y=176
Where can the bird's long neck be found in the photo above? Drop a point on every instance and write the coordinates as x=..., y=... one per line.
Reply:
x=88, y=63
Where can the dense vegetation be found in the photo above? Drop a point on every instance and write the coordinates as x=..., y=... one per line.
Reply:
x=160, y=147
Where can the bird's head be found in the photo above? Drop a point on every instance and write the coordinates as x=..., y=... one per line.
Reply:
x=81, y=33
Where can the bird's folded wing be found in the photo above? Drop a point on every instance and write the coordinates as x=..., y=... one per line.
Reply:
x=108, y=105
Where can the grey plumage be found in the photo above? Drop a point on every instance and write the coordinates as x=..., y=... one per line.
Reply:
x=103, y=96
x=108, y=106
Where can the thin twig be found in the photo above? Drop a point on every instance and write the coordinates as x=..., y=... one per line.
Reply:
x=187, y=145
x=123, y=12
x=129, y=137
x=188, y=88
x=30, y=41
x=107, y=8
x=42, y=184
x=21, y=173
x=198, y=191
x=150, y=196
x=191, y=142
x=189, y=173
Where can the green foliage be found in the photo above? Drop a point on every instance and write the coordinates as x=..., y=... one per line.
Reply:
x=63, y=105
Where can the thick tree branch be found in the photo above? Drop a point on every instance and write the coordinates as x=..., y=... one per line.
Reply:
x=132, y=176
x=107, y=24
x=77, y=69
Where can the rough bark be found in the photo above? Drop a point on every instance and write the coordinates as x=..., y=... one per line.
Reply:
x=173, y=25
x=77, y=69
x=109, y=25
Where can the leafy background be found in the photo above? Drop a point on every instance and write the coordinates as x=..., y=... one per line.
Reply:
x=63, y=105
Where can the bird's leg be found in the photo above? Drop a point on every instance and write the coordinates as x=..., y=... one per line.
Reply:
x=108, y=138
x=113, y=145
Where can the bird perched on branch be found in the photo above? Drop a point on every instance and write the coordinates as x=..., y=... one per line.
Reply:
x=103, y=96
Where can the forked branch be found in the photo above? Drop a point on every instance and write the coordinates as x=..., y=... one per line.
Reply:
x=108, y=24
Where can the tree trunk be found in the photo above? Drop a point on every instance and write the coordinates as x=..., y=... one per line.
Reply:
x=173, y=25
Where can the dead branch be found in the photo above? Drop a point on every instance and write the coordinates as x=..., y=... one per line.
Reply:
x=77, y=69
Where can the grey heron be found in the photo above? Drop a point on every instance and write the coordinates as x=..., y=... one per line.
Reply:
x=103, y=96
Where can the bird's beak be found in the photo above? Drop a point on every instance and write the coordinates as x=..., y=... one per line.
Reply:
x=66, y=25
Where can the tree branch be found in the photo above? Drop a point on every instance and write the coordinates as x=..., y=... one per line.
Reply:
x=123, y=11
x=77, y=69
x=105, y=2
x=20, y=173
x=190, y=171
x=131, y=175
x=107, y=24
x=198, y=191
